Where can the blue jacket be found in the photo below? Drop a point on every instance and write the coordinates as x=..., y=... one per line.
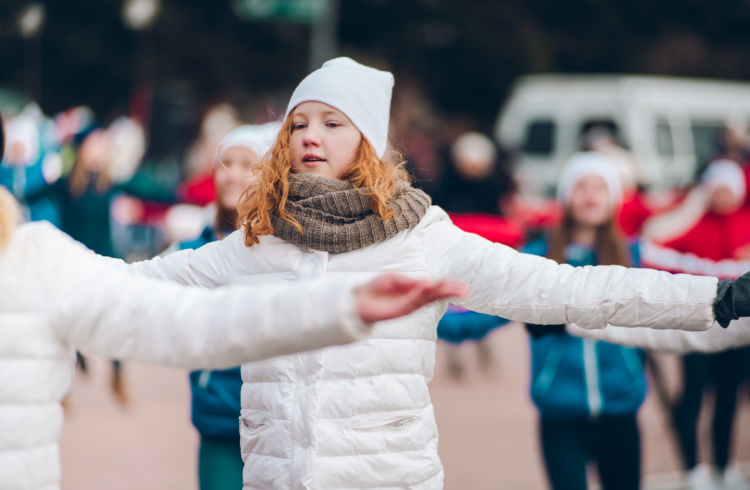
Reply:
x=30, y=188
x=574, y=378
x=215, y=405
x=458, y=324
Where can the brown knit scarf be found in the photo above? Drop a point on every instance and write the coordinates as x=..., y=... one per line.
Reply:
x=336, y=217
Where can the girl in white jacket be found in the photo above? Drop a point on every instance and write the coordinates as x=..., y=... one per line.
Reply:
x=56, y=297
x=332, y=202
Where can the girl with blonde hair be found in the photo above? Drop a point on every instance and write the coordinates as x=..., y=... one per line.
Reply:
x=333, y=202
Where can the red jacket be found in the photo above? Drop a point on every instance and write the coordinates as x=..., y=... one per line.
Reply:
x=715, y=236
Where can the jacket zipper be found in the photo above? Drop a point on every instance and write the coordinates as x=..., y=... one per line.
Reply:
x=591, y=377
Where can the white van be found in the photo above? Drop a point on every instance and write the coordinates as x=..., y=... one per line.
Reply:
x=670, y=125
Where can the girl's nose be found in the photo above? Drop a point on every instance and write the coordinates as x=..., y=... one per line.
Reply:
x=311, y=137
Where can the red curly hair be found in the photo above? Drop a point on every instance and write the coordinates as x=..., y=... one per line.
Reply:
x=380, y=178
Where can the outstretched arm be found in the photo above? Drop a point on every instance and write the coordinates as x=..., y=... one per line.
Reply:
x=115, y=314
x=532, y=289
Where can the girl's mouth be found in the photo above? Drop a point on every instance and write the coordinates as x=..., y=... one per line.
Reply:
x=312, y=160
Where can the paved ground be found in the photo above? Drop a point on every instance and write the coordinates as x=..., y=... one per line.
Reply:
x=487, y=428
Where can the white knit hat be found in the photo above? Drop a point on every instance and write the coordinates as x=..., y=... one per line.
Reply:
x=256, y=137
x=589, y=163
x=725, y=173
x=361, y=92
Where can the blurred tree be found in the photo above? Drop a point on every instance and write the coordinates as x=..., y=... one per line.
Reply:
x=465, y=53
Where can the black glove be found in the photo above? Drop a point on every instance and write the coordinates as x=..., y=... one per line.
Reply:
x=732, y=299
x=537, y=331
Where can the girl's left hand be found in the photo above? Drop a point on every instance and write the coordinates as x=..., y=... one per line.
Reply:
x=393, y=295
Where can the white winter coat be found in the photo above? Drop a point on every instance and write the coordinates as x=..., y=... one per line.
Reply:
x=360, y=416
x=715, y=339
x=56, y=297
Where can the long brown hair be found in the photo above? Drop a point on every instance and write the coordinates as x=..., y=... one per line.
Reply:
x=381, y=178
x=225, y=220
x=610, y=245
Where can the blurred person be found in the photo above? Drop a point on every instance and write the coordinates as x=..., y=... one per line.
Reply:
x=331, y=201
x=712, y=222
x=635, y=208
x=85, y=196
x=588, y=393
x=732, y=145
x=218, y=121
x=128, y=147
x=721, y=232
x=216, y=394
x=29, y=167
x=478, y=178
x=476, y=185
x=57, y=297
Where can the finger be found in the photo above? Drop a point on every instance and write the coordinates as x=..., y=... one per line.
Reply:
x=415, y=298
x=444, y=290
x=454, y=289
x=431, y=293
x=402, y=283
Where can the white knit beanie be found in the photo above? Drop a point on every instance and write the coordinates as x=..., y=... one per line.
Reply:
x=256, y=137
x=725, y=173
x=361, y=92
x=589, y=163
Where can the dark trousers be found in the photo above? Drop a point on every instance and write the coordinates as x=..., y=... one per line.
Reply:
x=724, y=372
x=612, y=442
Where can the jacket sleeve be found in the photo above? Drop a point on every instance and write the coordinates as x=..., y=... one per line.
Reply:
x=112, y=313
x=670, y=225
x=536, y=290
x=207, y=266
x=715, y=339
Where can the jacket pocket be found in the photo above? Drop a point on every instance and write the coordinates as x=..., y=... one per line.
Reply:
x=252, y=427
x=384, y=421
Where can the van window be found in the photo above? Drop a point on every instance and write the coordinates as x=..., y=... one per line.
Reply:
x=539, y=138
x=592, y=129
x=706, y=139
x=664, y=138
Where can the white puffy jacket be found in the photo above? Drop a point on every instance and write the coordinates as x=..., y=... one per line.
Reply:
x=56, y=296
x=715, y=339
x=360, y=416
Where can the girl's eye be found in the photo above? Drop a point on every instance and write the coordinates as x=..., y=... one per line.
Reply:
x=333, y=124
x=298, y=126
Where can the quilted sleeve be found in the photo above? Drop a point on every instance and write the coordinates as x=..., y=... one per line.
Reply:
x=533, y=289
x=112, y=313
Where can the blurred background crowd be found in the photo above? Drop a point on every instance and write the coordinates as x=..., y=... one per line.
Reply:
x=114, y=113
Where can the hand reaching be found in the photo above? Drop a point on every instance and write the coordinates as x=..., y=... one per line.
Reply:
x=392, y=295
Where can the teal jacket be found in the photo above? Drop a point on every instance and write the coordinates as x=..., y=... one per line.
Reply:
x=574, y=378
